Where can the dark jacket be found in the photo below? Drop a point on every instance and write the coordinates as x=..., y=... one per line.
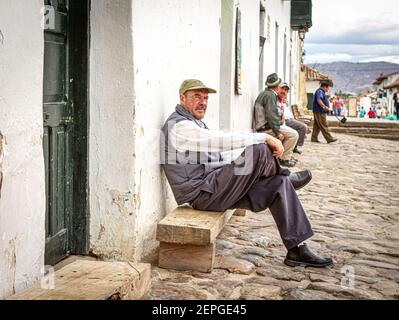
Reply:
x=266, y=113
x=320, y=95
x=395, y=100
x=188, y=172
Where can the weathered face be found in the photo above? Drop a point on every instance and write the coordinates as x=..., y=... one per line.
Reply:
x=283, y=93
x=195, y=102
x=325, y=88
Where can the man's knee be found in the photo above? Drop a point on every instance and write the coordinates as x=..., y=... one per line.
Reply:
x=282, y=184
x=260, y=151
x=303, y=128
x=292, y=135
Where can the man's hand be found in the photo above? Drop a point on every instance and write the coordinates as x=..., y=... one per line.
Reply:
x=275, y=145
x=281, y=137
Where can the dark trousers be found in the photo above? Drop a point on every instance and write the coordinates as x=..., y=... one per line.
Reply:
x=320, y=124
x=256, y=184
x=300, y=127
x=397, y=110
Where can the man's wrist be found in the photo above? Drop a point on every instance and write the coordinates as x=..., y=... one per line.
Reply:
x=269, y=138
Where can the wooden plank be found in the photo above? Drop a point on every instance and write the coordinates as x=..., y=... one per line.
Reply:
x=187, y=257
x=240, y=212
x=188, y=226
x=92, y=280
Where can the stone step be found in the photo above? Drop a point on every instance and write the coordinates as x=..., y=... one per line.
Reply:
x=388, y=130
x=358, y=123
x=365, y=130
x=365, y=124
x=92, y=280
x=375, y=136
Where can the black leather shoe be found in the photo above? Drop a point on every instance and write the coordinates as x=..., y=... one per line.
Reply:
x=315, y=141
x=300, y=179
x=333, y=140
x=287, y=163
x=296, y=150
x=303, y=257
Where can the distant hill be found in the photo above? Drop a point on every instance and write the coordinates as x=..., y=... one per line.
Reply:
x=354, y=77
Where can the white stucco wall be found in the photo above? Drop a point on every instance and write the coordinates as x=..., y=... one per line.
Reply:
x=295, y=92
x=277, y=11
x=173, y=40
x=242, y=105
x=22, y=199
x=280, y=12
x=172, y=44
x=389, y=102
x=312, y=86
x=111, y=144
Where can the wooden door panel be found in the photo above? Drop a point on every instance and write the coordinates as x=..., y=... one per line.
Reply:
x=57, y=122
x=65, y=99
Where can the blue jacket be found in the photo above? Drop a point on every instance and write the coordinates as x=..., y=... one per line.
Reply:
x=320, y=95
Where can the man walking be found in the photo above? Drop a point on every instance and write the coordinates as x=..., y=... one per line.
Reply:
x=268, y=117
x=194, y=166
x=320, y=109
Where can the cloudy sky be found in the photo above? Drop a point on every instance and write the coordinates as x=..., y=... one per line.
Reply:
x=353, y=30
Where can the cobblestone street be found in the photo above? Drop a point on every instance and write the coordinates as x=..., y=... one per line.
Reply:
x=353, y=205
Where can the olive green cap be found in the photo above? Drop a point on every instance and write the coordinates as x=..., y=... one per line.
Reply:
x=326, y=83
x=193, y=84
x=273, y=80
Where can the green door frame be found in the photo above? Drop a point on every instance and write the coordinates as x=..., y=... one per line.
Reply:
x=79, y=90
x=66, y=101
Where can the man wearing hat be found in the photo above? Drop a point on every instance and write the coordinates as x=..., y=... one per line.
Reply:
x=268, y=117
x=193, y=158
x=289, y=119
x=320, y=110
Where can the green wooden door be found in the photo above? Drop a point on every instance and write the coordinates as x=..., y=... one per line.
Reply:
x=310, y=101
x=57, y=117
x=62, y=133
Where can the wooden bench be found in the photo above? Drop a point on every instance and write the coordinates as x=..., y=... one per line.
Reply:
x=92, y=280
x=188, y=238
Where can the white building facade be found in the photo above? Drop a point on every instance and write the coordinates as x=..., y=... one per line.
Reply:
x=108, y=199
x=386, y=86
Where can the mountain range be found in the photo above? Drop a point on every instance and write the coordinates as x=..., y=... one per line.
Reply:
x=355, y=78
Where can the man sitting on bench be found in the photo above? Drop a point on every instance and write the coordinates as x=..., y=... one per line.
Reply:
x=199, y=174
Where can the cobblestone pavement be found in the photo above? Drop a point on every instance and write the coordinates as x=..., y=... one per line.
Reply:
x=353, y=205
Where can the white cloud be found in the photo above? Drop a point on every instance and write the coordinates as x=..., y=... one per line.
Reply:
x=327, y=57
x=393, y=59
x=355, y=30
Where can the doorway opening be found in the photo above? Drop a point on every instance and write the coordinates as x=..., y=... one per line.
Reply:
x=65, y=121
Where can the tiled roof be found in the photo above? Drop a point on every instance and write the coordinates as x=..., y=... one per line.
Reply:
x=394, y=84
x=383, y=77
x=314, y=75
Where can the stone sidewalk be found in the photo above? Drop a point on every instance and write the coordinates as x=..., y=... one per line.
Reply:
x=353, y=205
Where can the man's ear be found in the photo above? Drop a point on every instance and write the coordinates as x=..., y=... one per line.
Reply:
x=182, y=99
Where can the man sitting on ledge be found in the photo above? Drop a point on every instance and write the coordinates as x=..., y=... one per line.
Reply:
x=200, y=174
